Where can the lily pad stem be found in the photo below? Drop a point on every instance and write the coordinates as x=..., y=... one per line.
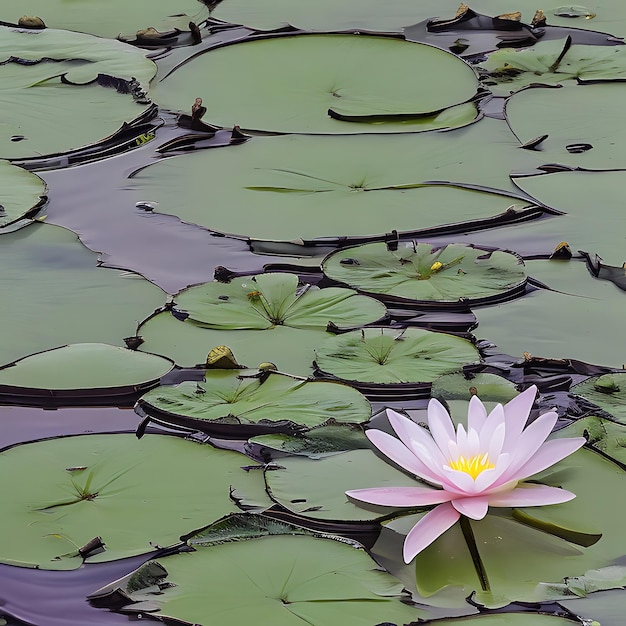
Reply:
x=468, y=533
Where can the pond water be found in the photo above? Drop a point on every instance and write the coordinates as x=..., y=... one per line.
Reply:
x=253, y=145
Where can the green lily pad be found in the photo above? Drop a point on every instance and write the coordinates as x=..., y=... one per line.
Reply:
x=133, y=494
x=60, y=293
x=451, y=274
x=488, y=387
x=311, y=580
x=109, y=19
x=554, y=62
x=311, y=187
x=229, y=397
x=579, y=306
x=611, y=577
x=508, y=619
x=57, y=80
x=268, y=300
x=22, y=195
x=344, y=72
x=386, y=355
x=607, y=391
x=602, y=435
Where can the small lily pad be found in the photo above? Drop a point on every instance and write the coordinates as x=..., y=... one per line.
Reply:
x=607, y=391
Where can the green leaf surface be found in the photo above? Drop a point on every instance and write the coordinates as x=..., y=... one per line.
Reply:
x=603, y=435
x=133, y=494
x=226, y=394
x=21, y=192
x=611, y=577
x=268, y=300
x=85, y=366
x=423, y=272
x=293, y=97
x=311, y=580
x=488, y=388
x=385, y=355
x=107, y=19
x=508, y=619
x=302, y=187
x=580, y=306
x=607, y=391
x=32, y=94
x=57, y=294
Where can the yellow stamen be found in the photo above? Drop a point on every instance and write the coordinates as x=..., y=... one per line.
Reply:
x=472, y=466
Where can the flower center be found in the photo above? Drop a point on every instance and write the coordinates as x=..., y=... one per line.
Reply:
x=473, y=466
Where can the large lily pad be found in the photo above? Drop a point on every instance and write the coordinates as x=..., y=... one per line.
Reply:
x=268, y=300
x=56, y=294
x=107, y=19
x=46, y=74
x=452, y=274
x=134, y=495
x=386, y=355
x=344, y=75
x=297, y=188
x=22, y=195
x=311, y=580
x=229, y=397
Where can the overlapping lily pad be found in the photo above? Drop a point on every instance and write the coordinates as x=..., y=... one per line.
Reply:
x=445, y=275
x=133, y=494
x=22, y=195
x=109, y=19
x=55, y=294
x=268, y=300
x=298, y=188
x=345, y=76
x=392, y=356
x=607, y=391
x=247, y=403
x=50, y=74
x=85, y=372
x=311, y=580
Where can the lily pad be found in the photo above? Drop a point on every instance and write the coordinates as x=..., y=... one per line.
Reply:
x=109, y=19
x=85, y=372
x=508, y=619
x=607, y=392
x=346, y=74
x=48, y=74
x=387, y=356
x=229, y=397
x=134, y=495
x=268, y=300
x=446, y=275
x=311, y=580
x=488, y=387
x=60, y=293
x=322, y=187
x=22, y=196
x=603, y=435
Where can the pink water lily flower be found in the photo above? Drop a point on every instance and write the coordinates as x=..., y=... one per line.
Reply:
x=472, y=469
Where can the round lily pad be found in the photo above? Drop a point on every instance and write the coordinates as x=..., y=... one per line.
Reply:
x=448, y=275
x=301, y=188
x=391, y=356
x=311, y=581
x=607, y=391
x=84, y=372
x=268, y=300
x=247, y=403
x=49, y=74
x=132, y=494
x=22, y=194
x=345, y=77
x=488, y=387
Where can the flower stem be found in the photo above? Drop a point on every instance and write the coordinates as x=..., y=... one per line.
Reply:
x=468, y=533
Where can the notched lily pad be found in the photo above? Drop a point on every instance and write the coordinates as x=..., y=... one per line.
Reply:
x=243, y=403
x=311, y=580
x=449, y=275
x=391, y=356
x=22, y=195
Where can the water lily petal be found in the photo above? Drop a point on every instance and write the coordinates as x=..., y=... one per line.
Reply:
x=460, y=482
x=475, y=507
x=440, y=424
x=473, y=444
x=431, y=526
x=528, y=494
x=495, y=442
x=551, y=452
x=516, y=413
x=417, y=439
x=476, y=414
x=489, y=479
x=400, y=496
x=493, y=421
x=400, y=454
